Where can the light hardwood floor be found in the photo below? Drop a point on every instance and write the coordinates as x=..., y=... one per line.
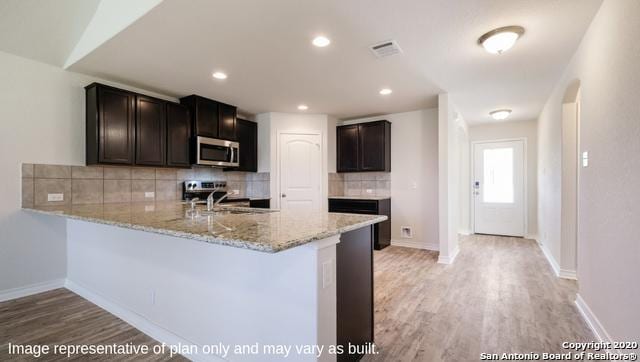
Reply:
x=500, y=295
x=62, y=317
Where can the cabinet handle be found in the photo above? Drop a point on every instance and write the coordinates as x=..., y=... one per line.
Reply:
x=284, y=195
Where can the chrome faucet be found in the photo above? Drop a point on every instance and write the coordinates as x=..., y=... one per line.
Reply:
x=210, y=202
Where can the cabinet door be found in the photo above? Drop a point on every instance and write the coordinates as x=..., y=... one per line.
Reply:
x=150, y=131
x=372, y=146
x=178, y=135
x=247, y=133
x=347, y=152
x=206, y=118
x=116, y=126
x=227, y=119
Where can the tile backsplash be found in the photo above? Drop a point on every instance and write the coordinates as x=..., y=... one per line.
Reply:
x=111, y=184
x=360, y=184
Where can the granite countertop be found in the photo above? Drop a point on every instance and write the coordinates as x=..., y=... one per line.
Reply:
x=256, y=229
x=360, y=197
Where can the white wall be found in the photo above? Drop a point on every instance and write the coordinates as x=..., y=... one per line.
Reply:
x=42, y=120
x=270, y=125
x=414, y=176
x=453, y=140
x=510, y=130
x=607, y=63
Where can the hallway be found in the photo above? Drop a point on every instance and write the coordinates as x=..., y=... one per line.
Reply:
x=499, y=296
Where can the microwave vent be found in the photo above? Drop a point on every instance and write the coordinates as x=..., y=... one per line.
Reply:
x=385, y=48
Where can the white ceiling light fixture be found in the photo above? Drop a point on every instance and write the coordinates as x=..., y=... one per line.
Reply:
x=219, y=75
x=385, y=91
x=497, y=41
x=500, y=114
x=303, y=107
x=321, y=41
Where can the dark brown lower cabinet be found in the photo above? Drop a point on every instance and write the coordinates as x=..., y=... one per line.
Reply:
x=260, y=203
x=381, y=231
x=354, y=291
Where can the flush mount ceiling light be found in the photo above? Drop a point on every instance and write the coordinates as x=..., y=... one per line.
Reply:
x=500, y=40
x=385, y=91
x=303, y=107
x=219, y=75
x=500, y=114
x=321, y=41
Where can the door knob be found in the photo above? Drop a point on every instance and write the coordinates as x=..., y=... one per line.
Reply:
x=284, y=195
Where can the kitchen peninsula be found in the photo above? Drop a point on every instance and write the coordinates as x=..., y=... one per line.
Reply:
x=235, y=276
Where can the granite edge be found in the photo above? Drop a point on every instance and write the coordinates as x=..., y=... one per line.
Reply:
x=242, y=244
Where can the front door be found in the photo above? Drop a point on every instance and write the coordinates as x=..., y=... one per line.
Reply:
x=300, y=172
x=498, y=188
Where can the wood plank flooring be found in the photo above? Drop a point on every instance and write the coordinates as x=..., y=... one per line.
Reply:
x=500, y=295
x=62, y=317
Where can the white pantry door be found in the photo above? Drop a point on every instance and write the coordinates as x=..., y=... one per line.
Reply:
x=498, y=188
x=300, y=172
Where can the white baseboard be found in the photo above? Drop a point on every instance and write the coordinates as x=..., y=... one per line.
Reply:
x=415, y=244
x=568, y=274
x=592, y=321
x=138, y=321
x=559, y=272
x=552, y=261
x=448, y=259
x=465, y=232
x=32, y=289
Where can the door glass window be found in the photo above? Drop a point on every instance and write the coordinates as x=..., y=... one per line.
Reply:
x=498, y=175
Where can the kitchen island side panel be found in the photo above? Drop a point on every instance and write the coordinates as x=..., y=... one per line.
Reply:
x=208, y=294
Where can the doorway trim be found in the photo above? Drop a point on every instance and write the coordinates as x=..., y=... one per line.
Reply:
x=323, y=173
x=472, y=164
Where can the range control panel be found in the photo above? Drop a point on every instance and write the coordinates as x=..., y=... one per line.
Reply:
x=196, y=186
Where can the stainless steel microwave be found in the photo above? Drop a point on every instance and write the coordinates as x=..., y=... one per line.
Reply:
x=215, y=152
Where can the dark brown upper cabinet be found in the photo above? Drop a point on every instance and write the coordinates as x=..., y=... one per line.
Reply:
x=227, y=122
x=204, y=115
x=347, y=151
x=178, y=135
x=110, y=127
x=247, y=135
x=364, y=147
x=211, y=118
x=151, y=131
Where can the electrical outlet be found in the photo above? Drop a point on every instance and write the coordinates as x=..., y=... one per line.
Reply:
x=55, y=197
x=327, y=273
x=235, y=192
x=149, y=208
x=149, y=195
x=369, y=191
x=406, y=232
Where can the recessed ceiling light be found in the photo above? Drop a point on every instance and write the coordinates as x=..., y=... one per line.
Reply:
x=500, y=114
x=321, y=41
x=303, y=107
x=500, y=40
x=385, y=91
x=219, y=75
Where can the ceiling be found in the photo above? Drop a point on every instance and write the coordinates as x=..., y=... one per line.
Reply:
x=45, y=30
x=265, y=48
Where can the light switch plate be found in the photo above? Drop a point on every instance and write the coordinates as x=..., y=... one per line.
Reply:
x=585, y=159
x=55, y=197
x=327, y=273
x=149, y=195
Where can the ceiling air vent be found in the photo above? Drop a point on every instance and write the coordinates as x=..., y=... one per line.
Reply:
x=385, y=48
